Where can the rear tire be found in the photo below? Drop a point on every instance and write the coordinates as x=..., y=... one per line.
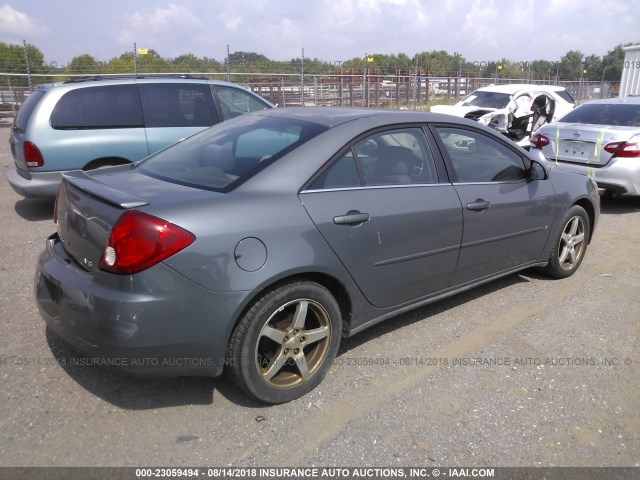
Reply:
x=570, y=244
x=285, y=344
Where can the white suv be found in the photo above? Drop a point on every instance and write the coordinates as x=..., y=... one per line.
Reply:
x=516, y=110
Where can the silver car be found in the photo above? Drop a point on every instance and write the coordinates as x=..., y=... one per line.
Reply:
x=600, y=139
x=254, y=246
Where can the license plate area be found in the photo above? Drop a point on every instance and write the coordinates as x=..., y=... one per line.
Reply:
x=578, y=151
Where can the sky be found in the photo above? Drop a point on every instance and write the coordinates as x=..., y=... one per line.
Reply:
x=330, y=30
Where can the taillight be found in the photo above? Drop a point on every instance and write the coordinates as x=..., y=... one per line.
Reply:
x=623, y=149
x=138, y=241
x=32, y=155
x=538, y=140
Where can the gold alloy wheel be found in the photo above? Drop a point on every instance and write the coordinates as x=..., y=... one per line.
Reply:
x=572, y=243
x=293, y=343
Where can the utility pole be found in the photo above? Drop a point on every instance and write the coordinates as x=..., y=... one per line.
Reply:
x=26, y=59
x=302, y=80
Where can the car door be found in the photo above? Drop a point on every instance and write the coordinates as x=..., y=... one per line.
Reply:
x=382, y=209
x=507, y=216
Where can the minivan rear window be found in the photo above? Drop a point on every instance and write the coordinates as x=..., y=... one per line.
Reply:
x=620, y=115
x=109, y=106
x=22, y=119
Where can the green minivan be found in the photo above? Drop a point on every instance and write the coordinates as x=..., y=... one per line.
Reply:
x=100, y=121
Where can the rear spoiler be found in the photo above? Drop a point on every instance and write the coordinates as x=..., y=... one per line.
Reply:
x=110, y=195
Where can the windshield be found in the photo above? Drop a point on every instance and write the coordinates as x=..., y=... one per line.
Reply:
x=225, y=155
x=619, y=115
x=486, y=100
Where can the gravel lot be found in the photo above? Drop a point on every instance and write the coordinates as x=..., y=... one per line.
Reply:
x=525, y=371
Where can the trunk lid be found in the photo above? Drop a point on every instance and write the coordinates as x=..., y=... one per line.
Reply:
x=88, y=206
x=584, y=144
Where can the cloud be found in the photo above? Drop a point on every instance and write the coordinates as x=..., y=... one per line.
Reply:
x=15, y=24
x=163, y=29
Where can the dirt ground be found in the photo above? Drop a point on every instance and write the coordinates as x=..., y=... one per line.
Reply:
x=525, y=371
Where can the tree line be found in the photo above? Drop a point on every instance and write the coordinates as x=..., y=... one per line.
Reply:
x=573, y=65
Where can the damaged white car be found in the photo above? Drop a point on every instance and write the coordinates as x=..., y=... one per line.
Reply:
x=516, y=110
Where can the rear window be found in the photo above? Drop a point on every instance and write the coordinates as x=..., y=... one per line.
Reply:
x=112, y=106
x=177, y=105
x=566, y=96
x=225, y=155
x=619, y=115
x=24, y=114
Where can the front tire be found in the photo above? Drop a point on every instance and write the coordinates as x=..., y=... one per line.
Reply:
x=286, y=342
x=570, y=244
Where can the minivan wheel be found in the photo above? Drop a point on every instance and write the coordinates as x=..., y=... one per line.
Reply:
x=570, y=244
x=285, y=344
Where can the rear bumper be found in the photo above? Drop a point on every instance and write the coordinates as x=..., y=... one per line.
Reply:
x=157, y=324
x=620, y=175
x=29, y=184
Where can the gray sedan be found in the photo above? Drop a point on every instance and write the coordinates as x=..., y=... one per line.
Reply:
x=254, y=246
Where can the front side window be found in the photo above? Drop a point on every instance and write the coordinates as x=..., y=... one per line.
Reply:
x=177, y=105
x=110, y=106
x=235, y=102
x=391, y=157
x=225, y=155
x=476, y=157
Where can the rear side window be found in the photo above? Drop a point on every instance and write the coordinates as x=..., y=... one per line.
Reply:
x=620, y=115
x=24, y=114
x=390, y=157
x=177, y=105
x=224, y=156
x=566, y=96
x=110, y=106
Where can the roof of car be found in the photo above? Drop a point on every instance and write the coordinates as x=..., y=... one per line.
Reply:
x=633, y=100
x=128, y=79
x=333, y=116
x=512, y=88
x=144, y=78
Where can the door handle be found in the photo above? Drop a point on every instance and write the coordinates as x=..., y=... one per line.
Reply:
x=351, y=218
x=478, y=205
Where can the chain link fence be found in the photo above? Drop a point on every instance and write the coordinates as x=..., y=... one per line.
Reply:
x=412, y=92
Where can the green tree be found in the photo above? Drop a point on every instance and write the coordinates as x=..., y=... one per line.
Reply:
x=84, y=64
x=612, y=64
x=12, y=60
x=593, y=66
x=121, y=64
x=571, y=64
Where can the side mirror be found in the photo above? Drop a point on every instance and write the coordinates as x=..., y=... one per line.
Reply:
x=537, y=171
